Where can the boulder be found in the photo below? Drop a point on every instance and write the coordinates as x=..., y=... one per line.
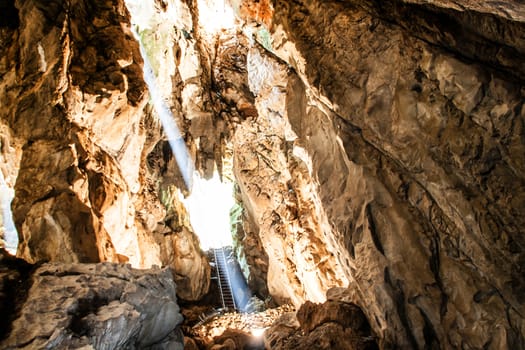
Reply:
x=99, y=306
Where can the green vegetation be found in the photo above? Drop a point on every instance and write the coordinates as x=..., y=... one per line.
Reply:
x=168, y=197
x=264, y=38
x=154, y=42
x=235, y=218
x=237, y=233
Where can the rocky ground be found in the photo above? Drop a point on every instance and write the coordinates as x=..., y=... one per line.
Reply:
x=112, y=306
x=217, y=327
x=330, y=325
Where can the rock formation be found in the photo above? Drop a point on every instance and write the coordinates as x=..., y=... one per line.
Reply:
x=378, y=149
x=79, y=139
x=412, y=130
x=95, y=306
x=331, y=325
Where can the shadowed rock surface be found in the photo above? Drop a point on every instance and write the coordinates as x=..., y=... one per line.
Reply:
x=418, y=153
x=330, y=325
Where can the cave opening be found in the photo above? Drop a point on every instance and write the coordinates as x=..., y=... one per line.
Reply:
x=379, y=173
x=9, y=233
x=209, y=205
x=208, y=198
x=214, y=215
x=209, y=201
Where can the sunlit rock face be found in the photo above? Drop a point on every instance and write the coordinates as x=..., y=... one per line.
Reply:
x=94, y=178
x=77, y=120
x=368, y=158
x=163, y=28
x=279, y=193
x=411, y=129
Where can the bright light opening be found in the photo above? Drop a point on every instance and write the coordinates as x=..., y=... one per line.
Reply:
x=9, y=233
x=257, y=332
x=209, y=207
x=215, y=15
x=210, y=201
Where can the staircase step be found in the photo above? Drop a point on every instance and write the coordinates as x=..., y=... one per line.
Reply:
x=218, y=256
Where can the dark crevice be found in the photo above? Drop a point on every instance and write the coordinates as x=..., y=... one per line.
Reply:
x=9, y=14
x=85, y=307
x=398, y=296
x=373, y=229
x=430, y=335
x=435, y=267
x=60, y=274
x=15, y=282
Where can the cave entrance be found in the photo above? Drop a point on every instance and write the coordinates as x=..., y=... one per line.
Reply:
x=209, y=206
x=213, y=213
x=8, y=233
x=210, y=203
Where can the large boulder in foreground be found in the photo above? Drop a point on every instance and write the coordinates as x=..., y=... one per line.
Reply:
x=90, y=306
x=335, y=324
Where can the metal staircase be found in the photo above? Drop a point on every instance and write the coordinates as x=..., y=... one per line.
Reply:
x=223, y=278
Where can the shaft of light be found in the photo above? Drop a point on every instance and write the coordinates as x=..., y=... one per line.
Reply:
x=172, y=131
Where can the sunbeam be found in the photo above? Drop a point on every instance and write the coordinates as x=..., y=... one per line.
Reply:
x=177, y=144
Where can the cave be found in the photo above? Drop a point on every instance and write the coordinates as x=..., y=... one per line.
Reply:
x=262, y=174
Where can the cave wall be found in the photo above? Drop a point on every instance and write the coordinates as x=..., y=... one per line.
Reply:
x=279, y=194
x=411, y=115
x=69, y=91
x=93, y=176
x=380, y=147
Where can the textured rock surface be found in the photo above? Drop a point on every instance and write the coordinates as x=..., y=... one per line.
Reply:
x=14, y=283
x=276, y=189
x=331, y=325
x=379, y=147
x=96, y=306
x=77, y=116
x=180, y=249
x=251, y=255
x=240, y=330
x=411, y=132
x=93, y=175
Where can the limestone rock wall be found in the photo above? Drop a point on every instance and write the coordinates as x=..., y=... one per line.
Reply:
x=334, y=324
x=279, y=193
x=163, y=28
x=75, y=104
x=81, y=145
x=378, y=148
x=414, y=129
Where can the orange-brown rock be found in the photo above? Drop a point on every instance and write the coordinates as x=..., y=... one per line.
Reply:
x=331, y=325
x=80, y=143
x=407, y=116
